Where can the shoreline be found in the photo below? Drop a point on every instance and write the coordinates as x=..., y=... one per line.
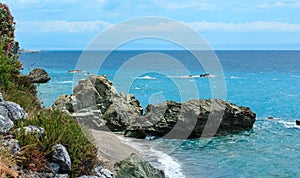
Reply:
x=111, y=148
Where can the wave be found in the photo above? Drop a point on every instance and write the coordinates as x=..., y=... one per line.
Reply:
x=70, y=81
x=295, y=76
x=289, y=124
x=170, y=165
x=147, y=78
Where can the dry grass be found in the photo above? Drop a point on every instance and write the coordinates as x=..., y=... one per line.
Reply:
x=7, y=162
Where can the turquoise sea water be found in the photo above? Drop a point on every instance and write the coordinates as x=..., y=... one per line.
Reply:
x=266, y=81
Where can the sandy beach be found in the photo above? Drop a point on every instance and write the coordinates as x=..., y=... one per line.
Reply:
x=111, y=149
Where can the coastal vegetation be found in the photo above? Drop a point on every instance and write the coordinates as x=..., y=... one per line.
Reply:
x=58, y=127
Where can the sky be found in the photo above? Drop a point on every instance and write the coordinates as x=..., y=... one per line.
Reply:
x=225, y=24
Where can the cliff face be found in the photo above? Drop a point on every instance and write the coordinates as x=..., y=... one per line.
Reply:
x=96, y=103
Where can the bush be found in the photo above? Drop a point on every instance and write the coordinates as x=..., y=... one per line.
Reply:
x=59, y=128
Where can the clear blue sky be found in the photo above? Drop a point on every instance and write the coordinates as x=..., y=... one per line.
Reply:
x=225, y=24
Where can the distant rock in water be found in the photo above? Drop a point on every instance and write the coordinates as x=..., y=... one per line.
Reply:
x=75, y=71
x=297, y=122
x=39, y=76
x=192, y=119
x=97, y=104
x=134, y=166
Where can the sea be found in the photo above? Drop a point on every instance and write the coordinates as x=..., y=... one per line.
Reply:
x=266, y=81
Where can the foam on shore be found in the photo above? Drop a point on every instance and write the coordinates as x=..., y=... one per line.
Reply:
x=157, y=158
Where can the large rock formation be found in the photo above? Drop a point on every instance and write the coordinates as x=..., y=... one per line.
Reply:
x=96, y=103
x=192, y=119
x=39, y=76
x=134, y=166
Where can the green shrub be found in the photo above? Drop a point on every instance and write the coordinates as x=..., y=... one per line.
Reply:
x=59, y=128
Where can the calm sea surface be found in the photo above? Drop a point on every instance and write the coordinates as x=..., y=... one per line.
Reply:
x=266, y=81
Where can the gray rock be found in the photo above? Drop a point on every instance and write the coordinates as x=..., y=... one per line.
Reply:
x=190, y=119
x=10, y=144
x=39, y=76
x=103, y=107
x=32, y=129
x=5, y=124
x=63, y=103
x=61, y=176
x=61, y=156
x=101, y=172
x=54, y=167
x=1, y=98
x=12, y=110
x=134, y=166
x=9, y=112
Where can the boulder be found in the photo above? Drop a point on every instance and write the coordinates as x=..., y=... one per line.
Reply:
x=135, y=166
x=97, y=104
x=9, y=112
x=5, y=124
x=39, y=75
x=12, y=110
x=190, y=119
x=61, y=156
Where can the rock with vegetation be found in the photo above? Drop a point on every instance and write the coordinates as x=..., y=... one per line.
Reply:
x=135, y=166
x=189, y=120
x=96, y=103
x=39, y=75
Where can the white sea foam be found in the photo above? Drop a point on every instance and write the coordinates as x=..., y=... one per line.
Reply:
x=63, y=82
x=170, y=165
x=295, y=76
x=289, y=124
x=234, y=77
x=147, y=78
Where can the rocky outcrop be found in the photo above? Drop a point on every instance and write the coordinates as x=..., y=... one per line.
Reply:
x=9, y=112
x=134, y=166
x=192, y=119
x=61, y=157
x=96, y=103
x=39, y=76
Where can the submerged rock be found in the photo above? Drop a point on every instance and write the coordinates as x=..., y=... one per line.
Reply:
x=39, y=76
x=135, y=166
x=190, y=119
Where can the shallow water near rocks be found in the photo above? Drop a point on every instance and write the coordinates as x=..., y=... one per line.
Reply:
x=266, y=81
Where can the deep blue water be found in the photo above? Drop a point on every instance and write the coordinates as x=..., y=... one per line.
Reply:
x=266, y=81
